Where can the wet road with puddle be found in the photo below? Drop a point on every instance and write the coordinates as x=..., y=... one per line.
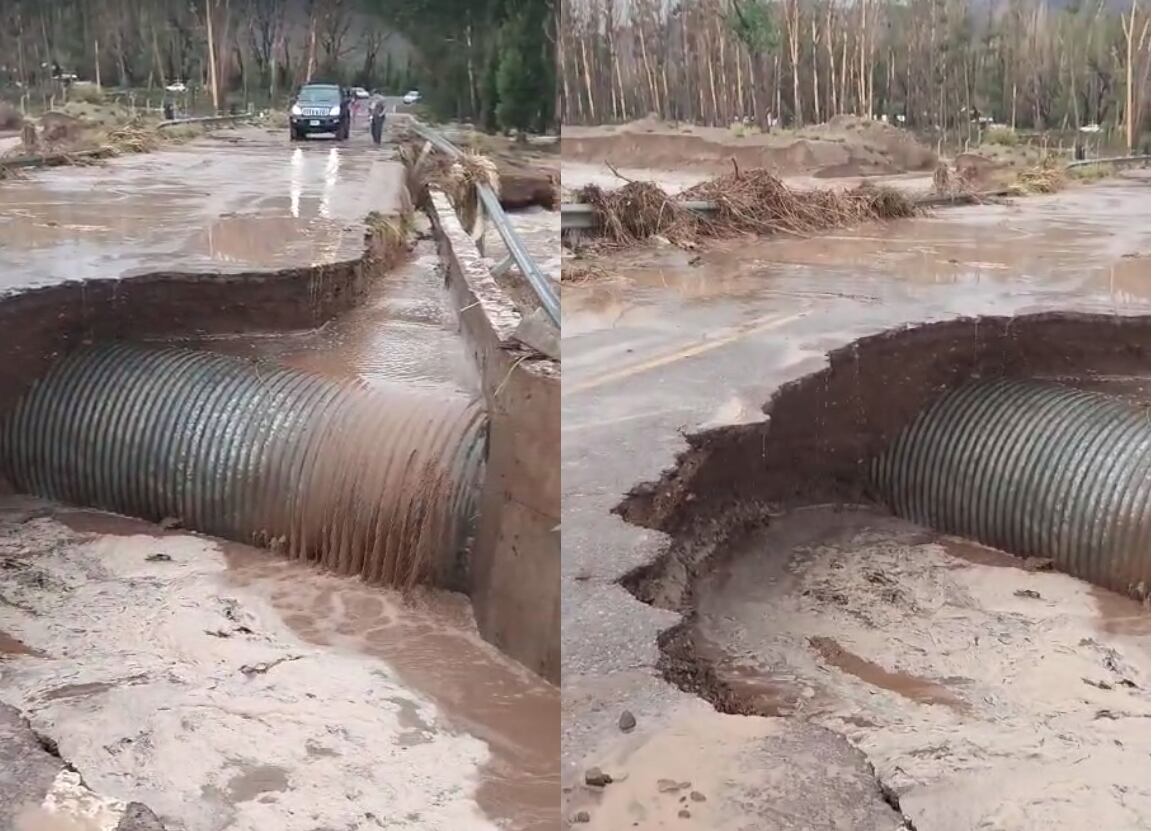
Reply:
x=233, y=201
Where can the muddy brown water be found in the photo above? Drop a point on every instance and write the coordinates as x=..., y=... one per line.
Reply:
x=404, y=332
x=429, y=638
x=982, y=260
x=14, y=646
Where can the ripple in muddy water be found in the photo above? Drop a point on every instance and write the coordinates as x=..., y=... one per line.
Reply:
x=404, y=332
x=430, y=639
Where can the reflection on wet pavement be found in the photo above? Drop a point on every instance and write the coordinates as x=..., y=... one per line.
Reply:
x=1071, y=250
x=242, y=200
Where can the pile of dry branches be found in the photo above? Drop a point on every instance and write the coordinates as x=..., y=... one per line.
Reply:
x=638, y=211
x=1047, y=177
x=132, y=138
x=751, y=202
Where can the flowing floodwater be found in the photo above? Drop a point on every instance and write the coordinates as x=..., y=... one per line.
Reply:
x=430, y=639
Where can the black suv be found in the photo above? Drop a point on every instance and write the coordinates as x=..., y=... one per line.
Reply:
x=320, y=108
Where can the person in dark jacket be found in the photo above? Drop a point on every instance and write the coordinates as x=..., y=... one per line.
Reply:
x=376, y=115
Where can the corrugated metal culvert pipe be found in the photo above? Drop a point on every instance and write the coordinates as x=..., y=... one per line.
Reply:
x=381, y=483
x=1033, y=468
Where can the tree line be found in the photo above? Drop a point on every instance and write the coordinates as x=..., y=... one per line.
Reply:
x=935, y=65
x=491, y=62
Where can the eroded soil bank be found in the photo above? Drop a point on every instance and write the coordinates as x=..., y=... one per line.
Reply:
x=974, y=685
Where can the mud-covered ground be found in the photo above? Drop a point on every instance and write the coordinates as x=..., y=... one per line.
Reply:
x=674, y=342
x=225, y=688
x=845, y=146
x=985, y=694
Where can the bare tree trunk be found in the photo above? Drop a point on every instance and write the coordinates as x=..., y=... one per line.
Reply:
x=753, y=88
x=588, y=82
x=727, y=104
x=310, y=67
x=862, y=90
x=845, y=67
x=96, y=45
x=793, y=14
x=1129, y=26
x=211, y=57
x=777, y=81
x=816, y=69
x=740, y=83
x=470, y=68
x=833, y=106
x=654, y=101
x=223, y=53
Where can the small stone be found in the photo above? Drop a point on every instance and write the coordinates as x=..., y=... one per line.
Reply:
x=170, y=523
x=684, y=785
x=627, y=721
x=683, y=813
x=1027, y=593
x=597, y=778
x=667, y=786
x=138, y=817
x=158, y=558
x=582, y=816
x=697, y=796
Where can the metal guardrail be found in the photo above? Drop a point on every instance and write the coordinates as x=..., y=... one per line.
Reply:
x=490, y=203
x=577, y=216
x=1109, y=160
x=206, y=119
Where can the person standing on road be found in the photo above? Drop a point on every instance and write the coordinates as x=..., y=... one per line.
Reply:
x=376, y=114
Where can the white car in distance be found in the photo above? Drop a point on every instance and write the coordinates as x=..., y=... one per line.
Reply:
x=411, y=97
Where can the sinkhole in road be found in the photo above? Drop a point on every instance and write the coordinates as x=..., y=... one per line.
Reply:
x=359, y=446
x=936, y=547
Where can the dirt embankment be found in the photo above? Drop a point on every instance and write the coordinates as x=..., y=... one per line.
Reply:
x=870, y=390
x=47, y=322
x=850, y=593
x=845, y=146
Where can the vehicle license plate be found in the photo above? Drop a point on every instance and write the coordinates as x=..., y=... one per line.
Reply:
x=314, y=124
